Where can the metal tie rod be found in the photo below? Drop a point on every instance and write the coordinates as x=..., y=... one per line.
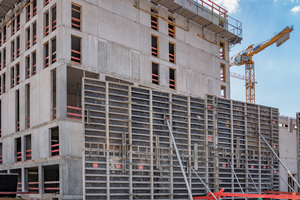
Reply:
x=282, y=178
x=179, y=160
x=251, y=177
x=285, y=167
x=207, y=188
x=237, y=179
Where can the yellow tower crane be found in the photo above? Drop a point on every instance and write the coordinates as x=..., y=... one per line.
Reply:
x=245, y=58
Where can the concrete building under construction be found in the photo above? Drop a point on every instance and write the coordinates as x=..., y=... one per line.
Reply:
x=85, y=88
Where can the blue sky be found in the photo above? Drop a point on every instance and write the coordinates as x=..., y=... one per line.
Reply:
x=277, y=69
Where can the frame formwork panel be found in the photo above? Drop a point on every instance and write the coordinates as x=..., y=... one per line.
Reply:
x=128, y=152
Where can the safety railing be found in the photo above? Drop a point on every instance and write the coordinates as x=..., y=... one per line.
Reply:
x=76, y=23
x=19, y=186
x=171, y=31
x=13, y=81
x=4, y=39
x=154, y=23
x=47, y=30
x=54, y=113
x=33, y=187
x=0, y=65
x=171, y=58
x=18, y=126
x=4, y=63
x=28, y=16
x=155, y=78
x=222, y=76
x=154, y=51
x=54, y=57
x=19, y=156
x=55, y=150
x=34, y=69
x=13, y=56
x=74, y=112
x=18, y=26
x=76, y=56
x=1, y=160
x=54, y=25
x=34, y=11
x=46, y=2
x=51, y=186
x=13, y=29
x=18, y=79
x=47, y=61
x=28, y=72
x=76, y=17
x=172, y=83
x=18, y=52
x=34, y=40
x=28, y=122
x=28, y=154
x=28, y=44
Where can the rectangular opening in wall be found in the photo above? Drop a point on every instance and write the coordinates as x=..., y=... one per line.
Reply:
x=222, y=50
x=28, y=38
x=53, y=53
x=34, y=33
x=51, y=179
x=19, y=183
x=154, y=41
x=4, y=58
x=18, y=22
x=223, y=91
x=4, y=34
x=54, y=94
x=18, y=46
x=0, y=114
x=54, y=141
x=17, y=73
x=154, y=19
x=46, y=22
x=155, y=73
x=0, y=39
x=12, y=77
x=76, y=16
x=27, y=65
x=18, y=149
x=17, y=110
x=0, y=60
x=32, y=183
x=53, y=18
x=172, y=52
x=76, y=49
x=172, y=78
x=28, y=13
x=27, y=106
x=13, y=27
x=222, y=72
x=34, y=5
x=4, y=82
x=74, y=81
x=13, y=50
x=28, y=147
x=171, y=27
x=1, y=154
x=46, y=54
x=33, y=63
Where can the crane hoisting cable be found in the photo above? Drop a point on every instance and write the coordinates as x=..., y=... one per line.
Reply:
x=245, y=58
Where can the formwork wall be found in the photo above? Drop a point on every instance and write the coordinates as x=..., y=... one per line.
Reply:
x=128, y=153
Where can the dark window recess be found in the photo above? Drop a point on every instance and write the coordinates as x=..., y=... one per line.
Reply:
x=0, y=87
x=33, y=180
x=12, y=75
x=4, y=82
x=27, y=105
x=53, y=53
x=13, y=27
x=13, y=54
x=18, y=47
x=155, y=73
x=28, y=13
x=4, y=34
x=0, y=39
x=34, y=7
x=171, y=27
x=47, y=24
x=171, y=52
x=46, y=53
x=76, y=17
x=28, y=147
x=1, y=154
x=154, y=41
x=46, y=2
x=34, y=34
x=53, y=21
x=51, y=179
x=18, y=150
x=54, y=141
x=18, y=22
x=172, y=78
x=27, y=63
x=33, y=63
x=4, y=58
x=28, y=37
x=17, y=74
x=0, y=112
x=17, y=110
x=0, y=60
x=76, y=49
x=154, y=19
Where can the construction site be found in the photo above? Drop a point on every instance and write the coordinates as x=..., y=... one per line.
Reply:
x=130, y=99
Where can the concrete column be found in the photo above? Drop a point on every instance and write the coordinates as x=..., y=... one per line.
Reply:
x=23, y=178
x=61, y=91
x=41, y=179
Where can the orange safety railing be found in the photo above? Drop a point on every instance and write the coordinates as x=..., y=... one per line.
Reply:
x=28, y=71
x=54, y=113
x=55, y=150
x=28, y=16
x=13, y=30
x=154, y=23
x=19, y=156
x=172, y=83
x=76, y=56
x=171, y=32
x=215, y=8
x=34, y=40
x=1, y=160
x=34, y=69
x=74, y=112
x=154, y=51
x=18, y=126
x=76, y=23
x=172, y=58
x=222, y=76
x=19, y=186
x=18, y=79
x=47, y=30
x=33, y=187
x=47, y=61
x=13, y=56
x=28, y=44
x=18, y=52
x=13, y=82
x=4, y=63
x=155, y=78
x=4, y=39
x=18, y=26
x=51, y=186
x=34, y=11
x=28, y=122
x=54, y=57
x=28, y=154
x=46, y=2
x=53, y=25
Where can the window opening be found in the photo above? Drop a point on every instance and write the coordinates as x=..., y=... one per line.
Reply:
x=19, y=183
x=18, y=22
x=171, y=52
x=223, y=91
x=222, y=72
x=27, y=105
x=12, y=75
x=172, y=80
x=28, y=12
x=34, y=34
x=13, y=27
x=28, y=147
x=171, y=27
x=33, y=180
x=17, y=110
x=34, y=5
x=18, y=150
x=46, y=53
x=4, y=83
x=1, y=154
x=46, y=2
x=4, y=34
x=154, y=19
x=46, y=23
x=4, y=58
x=76, y=16
x=0, y=39
x=27, y=63
x=0, y=60
x=222, y=50
x=155, y=73
x=28, y=37
x=154, y=42
x=13, y=50
x=54, y=94
x=51, y=179
x=76, y=49
x=18, y=46
x=53, y=18
x=53, y=53
x=0, y=112
x=33, y=63
x=54, y=141
x=17, y=73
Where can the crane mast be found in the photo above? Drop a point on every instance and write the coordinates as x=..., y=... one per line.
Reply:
x=245, y=57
